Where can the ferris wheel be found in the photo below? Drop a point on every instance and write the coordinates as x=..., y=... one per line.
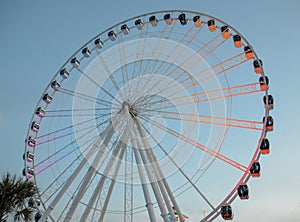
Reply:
x=161, y=117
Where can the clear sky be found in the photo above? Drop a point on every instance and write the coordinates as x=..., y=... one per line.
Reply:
x=37, y=37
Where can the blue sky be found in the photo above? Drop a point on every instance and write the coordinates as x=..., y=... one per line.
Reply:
x=37, y=37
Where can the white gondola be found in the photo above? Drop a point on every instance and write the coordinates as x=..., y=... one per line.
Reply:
x=86, y=52
x=31, y=141
x=55, y=85
x=47, y=98
x=112, y=35
x=29, y=157
x=98, y=43
x=168, y=19
x=40, y=112
x=35, y=126
x=75, y=62
x=125, y=29
x=139, y=24
x=30, y=172
x=64, y=73
x=153, y=20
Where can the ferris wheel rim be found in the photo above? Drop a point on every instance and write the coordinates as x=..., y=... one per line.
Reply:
x=256, y=156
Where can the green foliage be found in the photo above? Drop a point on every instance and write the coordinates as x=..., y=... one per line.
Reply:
x=14, y=194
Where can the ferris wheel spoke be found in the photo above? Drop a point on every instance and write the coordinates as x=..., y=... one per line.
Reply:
x=208, y=95
x=215, y=70
x=207, y=49
x=55, y=158
x=209, y=73
x=147, y=67
x=124, y=68
x=222, y=67
x=98, y=85
x=187, y=38
x=189, y=180
x=108, y=72
x=212, y=45
x=137, y=68
x=66, y=131
x=85, y=97
x=227, y=92
x=197, y=145
x=61, y=154
x=77, y=112
x=212, y=120
x=52, y=188
x=165, y=34
x=223, y=93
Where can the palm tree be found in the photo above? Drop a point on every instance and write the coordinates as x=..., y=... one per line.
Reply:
x=14, y=194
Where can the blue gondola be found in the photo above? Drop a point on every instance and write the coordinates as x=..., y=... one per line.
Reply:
x=75, y=62
x=98, y=42
x=64, y=73
x=139, y=24
x=86, y=52
x=125, y=29
x=112, y=35
x=55, y=85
